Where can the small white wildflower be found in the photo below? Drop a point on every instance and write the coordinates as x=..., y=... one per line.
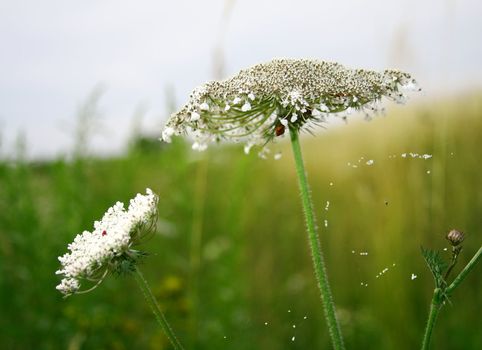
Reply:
x=204, y=106
x=284, y=122
x=251, y=96
x=246, y=107
x=294, y=118
x=236, y=100
x=167, y=134
x=227, y=108
x=195, y=116
x=94, y=254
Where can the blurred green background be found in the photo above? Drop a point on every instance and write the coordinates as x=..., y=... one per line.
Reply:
x=230, y=263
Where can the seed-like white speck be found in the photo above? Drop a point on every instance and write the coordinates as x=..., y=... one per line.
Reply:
x=294, y=326
x=277, y=156
x=304, y=318
x=326, y=223
x=413, y=276
x=266, y=323
x=428, y=171
x=293, y=339
x=331, y=183
x=370, y=162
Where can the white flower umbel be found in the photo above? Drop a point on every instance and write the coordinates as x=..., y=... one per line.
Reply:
x=260, y=102
x=108, y=248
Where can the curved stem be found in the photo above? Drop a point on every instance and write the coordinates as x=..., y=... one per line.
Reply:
x=435, y=307
x=460, y=277
x=316, y=253
x=151, y=300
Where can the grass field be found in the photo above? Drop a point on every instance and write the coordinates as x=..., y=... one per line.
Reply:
x=230, y=264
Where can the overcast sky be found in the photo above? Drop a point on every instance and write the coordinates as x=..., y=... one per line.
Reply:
x=53, y=54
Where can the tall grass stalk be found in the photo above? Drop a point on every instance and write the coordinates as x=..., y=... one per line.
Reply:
x=315, y=246
x=195, y=255
x=151, y=300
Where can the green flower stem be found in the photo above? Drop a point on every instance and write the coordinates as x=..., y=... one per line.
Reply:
x=316, y=254
x=470, y=265
x=435, y=307
x=439, y=295
x=151, y=300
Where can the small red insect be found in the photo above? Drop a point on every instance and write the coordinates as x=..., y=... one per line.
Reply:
x=279, y=129
x=104, y=233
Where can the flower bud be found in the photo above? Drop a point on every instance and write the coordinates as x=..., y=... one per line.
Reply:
x=455, y=237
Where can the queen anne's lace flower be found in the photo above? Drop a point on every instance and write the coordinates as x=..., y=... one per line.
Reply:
x=93, y=254
x=261, y=102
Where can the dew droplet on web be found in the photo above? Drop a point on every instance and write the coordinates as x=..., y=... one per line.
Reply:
x=363, y=253
x=327, y=206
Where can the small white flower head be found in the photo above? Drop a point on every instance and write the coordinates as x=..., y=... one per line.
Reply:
x=167, y=134
x=262, y=102
x=109, y=247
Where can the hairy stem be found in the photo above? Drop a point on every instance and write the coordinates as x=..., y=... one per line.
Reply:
x=470, y=265
x=161, y=319
x=435, y=307
x=316, y=253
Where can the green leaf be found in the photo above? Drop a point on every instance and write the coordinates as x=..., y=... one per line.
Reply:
x=437, y=266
